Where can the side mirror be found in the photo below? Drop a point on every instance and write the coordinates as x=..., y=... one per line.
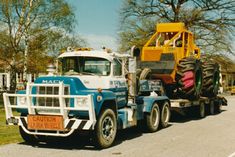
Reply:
x=135, y=51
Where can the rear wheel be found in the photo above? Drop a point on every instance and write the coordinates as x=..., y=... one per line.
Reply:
x=153, y=119
x=211, y=77
x=165, y=114
x=218, y=108
x=202, y=113
x=212, y=108
x=106, y=129
x=189, y=78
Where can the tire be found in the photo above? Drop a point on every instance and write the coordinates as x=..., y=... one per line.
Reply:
x=31, y=139
x=165, y=114
x=218, y=108
x=153, y=119
x=106, y=129
x=202, y=112
x=189, y=78
x=142, y=75
x=145, y=74
x=211, y=78
x=212, y=108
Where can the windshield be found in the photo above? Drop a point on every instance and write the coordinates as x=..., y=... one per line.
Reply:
x=85, y=66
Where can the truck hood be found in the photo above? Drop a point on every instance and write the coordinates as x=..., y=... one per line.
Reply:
x=76, y=85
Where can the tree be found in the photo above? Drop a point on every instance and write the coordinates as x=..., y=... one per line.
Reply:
x=24, y=21
x=213, y=21
x=58, y=41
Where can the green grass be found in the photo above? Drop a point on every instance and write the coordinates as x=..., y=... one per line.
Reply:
x=8, y=134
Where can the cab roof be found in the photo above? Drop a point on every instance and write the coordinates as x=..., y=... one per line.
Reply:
x=88, y=53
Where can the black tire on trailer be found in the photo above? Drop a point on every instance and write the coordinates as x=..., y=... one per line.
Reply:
x=153, y=118
x=189, y=78
x=106, y=129
x=31, y=139
x=211, y=78
x=165, y=114
x=218, y=107
x=202, y=110
x=212, y=108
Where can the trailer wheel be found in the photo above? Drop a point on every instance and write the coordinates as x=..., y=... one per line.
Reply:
x=31, y=139
x=153, y=119
x=165, y=114
x=218, y=108
x=106, y=129
x=202, y=110
x=212, y=108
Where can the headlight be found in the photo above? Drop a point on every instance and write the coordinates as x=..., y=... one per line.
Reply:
x=80, y=102
x=21, y=100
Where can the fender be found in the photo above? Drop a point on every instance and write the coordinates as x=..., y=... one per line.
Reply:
x=150, y=100
x=106, y=96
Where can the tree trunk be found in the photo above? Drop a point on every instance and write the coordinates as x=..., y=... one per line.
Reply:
x=13, y=80
x=13, y=75
x=26, y=58
x=26, y=51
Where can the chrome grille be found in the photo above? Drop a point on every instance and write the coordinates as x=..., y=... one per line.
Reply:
x=51, y=102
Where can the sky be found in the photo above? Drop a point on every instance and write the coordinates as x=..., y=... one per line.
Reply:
x=97, y=21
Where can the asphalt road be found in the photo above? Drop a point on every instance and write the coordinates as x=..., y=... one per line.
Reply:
x=213, y=136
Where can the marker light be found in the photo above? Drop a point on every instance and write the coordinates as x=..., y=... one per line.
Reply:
x=99, y=90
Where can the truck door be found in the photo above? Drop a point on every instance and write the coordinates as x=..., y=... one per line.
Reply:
x=120, y=84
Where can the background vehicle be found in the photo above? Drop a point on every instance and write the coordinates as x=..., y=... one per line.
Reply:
x=233, y=90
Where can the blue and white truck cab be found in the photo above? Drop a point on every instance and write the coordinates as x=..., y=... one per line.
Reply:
x=96, y=91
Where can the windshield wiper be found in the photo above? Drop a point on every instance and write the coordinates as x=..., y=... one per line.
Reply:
x=71, y=73
x=88, y=73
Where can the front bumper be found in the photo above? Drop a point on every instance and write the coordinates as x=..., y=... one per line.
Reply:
x=69, y=124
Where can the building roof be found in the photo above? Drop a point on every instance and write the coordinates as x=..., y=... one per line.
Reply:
x=227, y=65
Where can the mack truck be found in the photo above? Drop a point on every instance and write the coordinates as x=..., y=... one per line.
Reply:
x=96, y=92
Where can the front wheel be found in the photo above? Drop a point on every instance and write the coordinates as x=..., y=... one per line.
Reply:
x=153, y=119
x=106, y=129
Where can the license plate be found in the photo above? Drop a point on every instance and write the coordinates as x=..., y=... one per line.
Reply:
x=38, y=122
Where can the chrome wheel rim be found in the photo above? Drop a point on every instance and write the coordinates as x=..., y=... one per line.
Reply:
x=107, y=128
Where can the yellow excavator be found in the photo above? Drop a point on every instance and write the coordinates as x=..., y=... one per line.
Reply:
x=172, y=56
